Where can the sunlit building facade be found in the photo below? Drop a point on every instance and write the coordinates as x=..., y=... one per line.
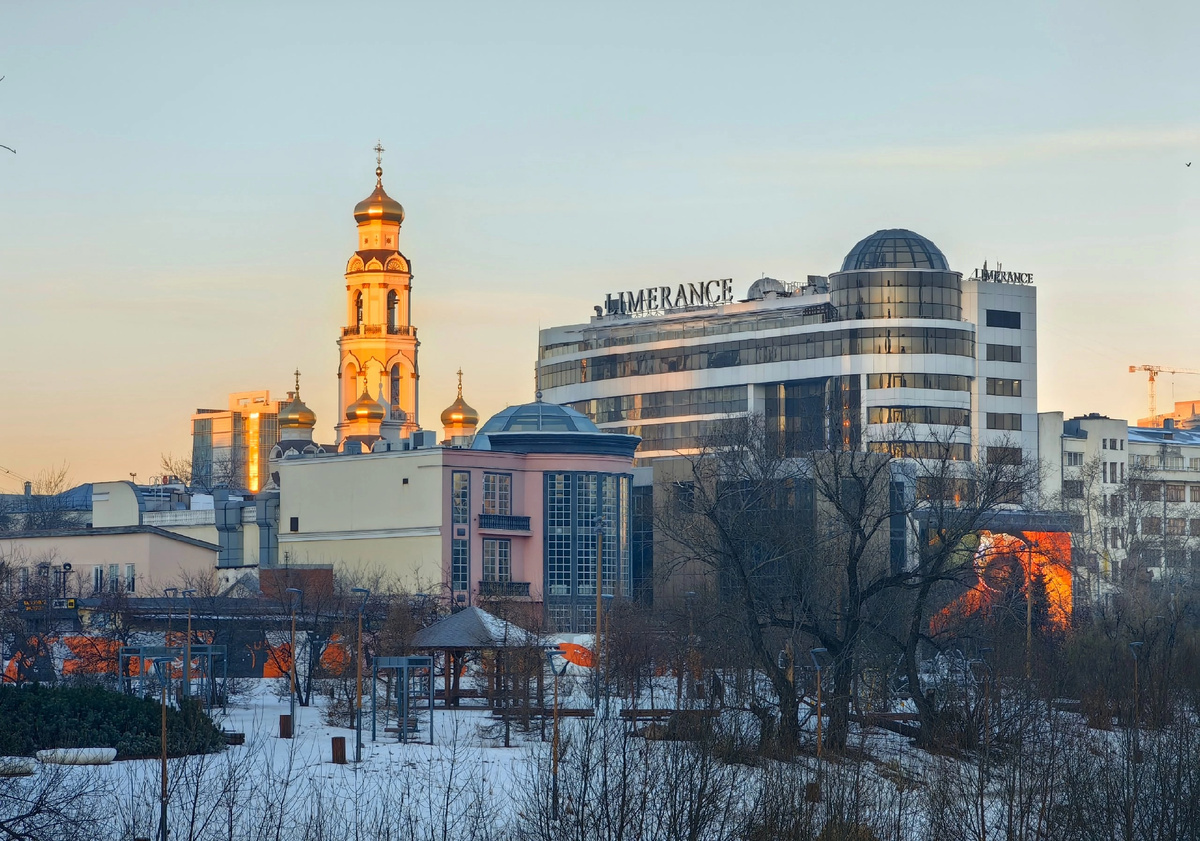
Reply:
x=895, y=351
x=231, y=447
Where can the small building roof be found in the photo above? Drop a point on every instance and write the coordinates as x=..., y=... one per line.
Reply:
x=112, y=530
x=475, y=629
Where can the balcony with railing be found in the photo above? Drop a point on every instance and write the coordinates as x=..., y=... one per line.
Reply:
x=504, y=589
x=503, y=522
x=379, y=330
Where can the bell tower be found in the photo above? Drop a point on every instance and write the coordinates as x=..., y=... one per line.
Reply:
x=378, y=346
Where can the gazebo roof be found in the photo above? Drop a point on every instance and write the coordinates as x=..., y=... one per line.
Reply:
x=473, y=628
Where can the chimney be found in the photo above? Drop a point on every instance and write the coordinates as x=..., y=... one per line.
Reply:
x=1168, y=423
x=29, y=489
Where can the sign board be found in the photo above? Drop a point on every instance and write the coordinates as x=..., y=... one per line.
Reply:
x=62, y=604
x=998, y=275
x=34, y=604
x=658, y=299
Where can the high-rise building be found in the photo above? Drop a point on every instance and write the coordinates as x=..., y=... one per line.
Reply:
x=231, y=447
x=895, y=351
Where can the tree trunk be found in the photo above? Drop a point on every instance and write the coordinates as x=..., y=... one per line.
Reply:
x=837, y=708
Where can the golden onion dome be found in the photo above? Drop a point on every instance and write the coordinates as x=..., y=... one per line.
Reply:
x=365, y=408
x=379, y=205
x=295, y=415
x=459, y=413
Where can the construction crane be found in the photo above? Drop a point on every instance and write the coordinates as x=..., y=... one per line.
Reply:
x=1154, y=371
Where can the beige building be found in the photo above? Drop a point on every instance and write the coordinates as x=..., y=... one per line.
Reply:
x=514, y=516
x=141, y=560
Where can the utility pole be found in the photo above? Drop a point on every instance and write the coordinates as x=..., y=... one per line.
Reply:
x=366, y=594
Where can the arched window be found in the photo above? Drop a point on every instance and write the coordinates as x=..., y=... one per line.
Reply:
x=358, y=311
x=393, y=311
x=395, y=385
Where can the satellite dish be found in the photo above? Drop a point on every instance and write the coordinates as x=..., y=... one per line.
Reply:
x=66, y=567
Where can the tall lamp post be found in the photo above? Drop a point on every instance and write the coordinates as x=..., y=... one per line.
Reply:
x=162, y=667
x=558, y=672
x=366, y=594
x=296, y=594
x=1136, y=648
x=814, y=653
x=187, y=646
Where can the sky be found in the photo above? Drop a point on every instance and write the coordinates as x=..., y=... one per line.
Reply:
x=176, y=221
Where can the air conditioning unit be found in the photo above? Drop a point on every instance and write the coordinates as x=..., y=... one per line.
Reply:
x=423, y=439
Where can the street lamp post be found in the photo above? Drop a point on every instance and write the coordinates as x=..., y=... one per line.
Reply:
x=608, y=603
x=817, y=664
x=1135, y=648
x=550, y=655
x=162, y=667
x=366, y=594
x=296, y=595
x=599, y=595
x=187, y=646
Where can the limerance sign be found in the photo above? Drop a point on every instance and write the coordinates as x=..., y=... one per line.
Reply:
x=653, y=299
x=996, y=275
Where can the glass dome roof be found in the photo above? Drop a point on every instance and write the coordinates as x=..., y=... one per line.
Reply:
x=895, y=248
x=538, y=417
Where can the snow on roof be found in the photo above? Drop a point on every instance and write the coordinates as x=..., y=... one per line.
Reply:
x=473, y=628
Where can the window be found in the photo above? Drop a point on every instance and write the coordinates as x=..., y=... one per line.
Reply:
x=1073, y=489
x=460, y=497
x=358, y=311
x=460, y=564
x=1194, y=464
x=558, y=537
x=941, y=382
x=1175, y=493
x=933, y=450
x=1150, y=492
x=1194, y=493
x=97, y=579
x=1004, y=420
x=394, y=387
x=1194, y=526
x=1151, y=525
x=1112, y=443
x=685, y=496
x=1003, y=353
x=497, y=493
x=497, y=560
x=1176, y=525
x=1003, y=455
x=1071, y=459
x=130, y=577
x=23, y=578
x=393, y=311
x=114, y=578
x=940, y=415
x=294, y=523
x=1003, y=388
x=1121, y=441
x=1172, y=462
x=1004, y=318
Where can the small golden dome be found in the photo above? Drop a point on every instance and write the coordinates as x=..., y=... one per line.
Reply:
x=378, y=205
x=294, y=414
x=364, y=408
x=459, y=413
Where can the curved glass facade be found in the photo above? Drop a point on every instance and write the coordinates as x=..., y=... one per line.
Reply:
x=757, y=351
x=896, y=294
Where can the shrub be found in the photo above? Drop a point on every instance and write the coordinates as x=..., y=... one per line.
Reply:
x=40, y=717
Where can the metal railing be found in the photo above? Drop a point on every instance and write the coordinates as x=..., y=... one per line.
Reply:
x=503, y=522
x=379, y=330
x=510, y=589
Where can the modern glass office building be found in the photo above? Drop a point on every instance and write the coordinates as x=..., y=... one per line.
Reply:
x=895, y=351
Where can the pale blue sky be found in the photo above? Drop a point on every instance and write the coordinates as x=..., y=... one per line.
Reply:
x=177, y=219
